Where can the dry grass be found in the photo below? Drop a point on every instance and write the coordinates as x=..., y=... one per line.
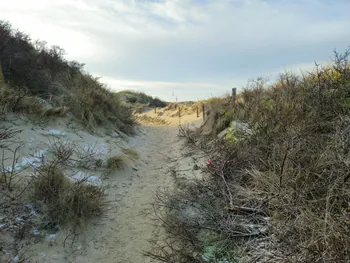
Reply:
x=7, y=136
x=49, y=184
x=172, y=107
x=184, y=108
x=151, y=120
x=56, y=112
x=80, y=203
x=116, y=162
x=67, y=204
x=291, y=175
x=18, y=100
x=131, y=153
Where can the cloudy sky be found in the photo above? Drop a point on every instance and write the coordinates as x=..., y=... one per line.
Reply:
x=193, y=49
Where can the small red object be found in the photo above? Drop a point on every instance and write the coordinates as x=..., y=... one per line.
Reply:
x=210, y=163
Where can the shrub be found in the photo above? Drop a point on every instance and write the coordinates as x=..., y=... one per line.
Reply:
x=18, y=100
x=280, y=193
x=63, y=152
x=157, y=103
x=132, y=99
x=142, y=98
x=49, y=184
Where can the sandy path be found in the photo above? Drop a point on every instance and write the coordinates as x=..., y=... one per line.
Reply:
x=132, y=227
x=160, y=149
x=122, y=236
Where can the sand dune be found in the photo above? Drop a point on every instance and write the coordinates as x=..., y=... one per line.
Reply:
x=122, y=235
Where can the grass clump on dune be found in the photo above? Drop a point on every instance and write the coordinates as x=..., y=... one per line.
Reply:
x=116, y=162
x=38, y=80
x=66, y=203
x=80, y=203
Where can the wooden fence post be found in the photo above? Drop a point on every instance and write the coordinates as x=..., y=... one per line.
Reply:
x=234, y=94
x=203, y=109
x=197, y=111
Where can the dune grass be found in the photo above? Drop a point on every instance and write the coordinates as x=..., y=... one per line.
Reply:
x=116, y=162
x=38, y=80
x=67, y=203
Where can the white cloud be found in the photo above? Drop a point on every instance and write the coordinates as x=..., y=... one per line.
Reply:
x=196, y=47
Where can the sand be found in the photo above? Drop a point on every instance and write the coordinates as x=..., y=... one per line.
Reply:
x=123, y=234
